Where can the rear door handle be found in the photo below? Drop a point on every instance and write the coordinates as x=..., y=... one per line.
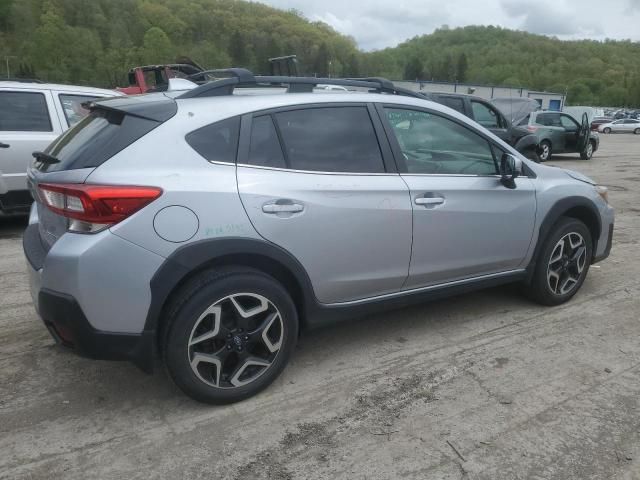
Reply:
x=4, y=145
x=282, y=208
x=426, y=201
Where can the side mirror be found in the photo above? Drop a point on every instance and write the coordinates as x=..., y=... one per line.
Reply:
x=510, y=169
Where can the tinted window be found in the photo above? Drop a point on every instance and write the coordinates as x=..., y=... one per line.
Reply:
x=217, y=142
x=95, y=139
x=24, y=112
x=265, y=149
x=568, y=123
x=485, y=116
x=72, y=107
x=340, y=139
x=453, y=102
x=436, y=145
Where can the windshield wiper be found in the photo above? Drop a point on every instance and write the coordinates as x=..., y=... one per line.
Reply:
x=45, y=158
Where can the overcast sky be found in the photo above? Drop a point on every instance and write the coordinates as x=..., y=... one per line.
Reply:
x=383, y=23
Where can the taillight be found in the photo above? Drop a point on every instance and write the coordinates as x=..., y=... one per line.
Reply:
x=532, y=129
x=92, y=208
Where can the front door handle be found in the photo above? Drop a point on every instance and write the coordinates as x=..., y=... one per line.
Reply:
x=429, y=201
x=282, y=208
x=4, y=145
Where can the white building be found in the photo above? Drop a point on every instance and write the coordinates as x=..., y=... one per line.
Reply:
x=547, y=100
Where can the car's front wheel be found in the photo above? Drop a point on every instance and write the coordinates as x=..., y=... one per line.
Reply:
x=544, y=151
x=563, y=263
x=637, y=131
x=231, y=333
x=587, y=153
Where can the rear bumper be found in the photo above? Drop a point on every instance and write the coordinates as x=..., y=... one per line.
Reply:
x=68, y=325
x=87, y=300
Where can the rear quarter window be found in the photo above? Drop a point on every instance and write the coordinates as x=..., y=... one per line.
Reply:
x=24, y=112
x=217, y=142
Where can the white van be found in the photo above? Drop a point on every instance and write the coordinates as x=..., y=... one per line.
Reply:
x=32, y=115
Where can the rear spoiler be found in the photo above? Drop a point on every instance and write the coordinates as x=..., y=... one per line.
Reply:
x=156, y=106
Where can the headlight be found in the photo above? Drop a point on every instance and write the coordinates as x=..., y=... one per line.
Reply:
x=603, y=192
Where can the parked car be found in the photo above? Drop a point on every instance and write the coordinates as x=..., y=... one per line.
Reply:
x=32, y=115
x=490, y=117
x=561, y=133
x=597, y=121
x=207, y=228
x=626, y=125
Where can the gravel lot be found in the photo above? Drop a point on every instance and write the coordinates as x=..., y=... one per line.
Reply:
x=481, y=386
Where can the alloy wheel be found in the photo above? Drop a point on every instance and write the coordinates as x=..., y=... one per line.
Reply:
x=566, y=264
x=589, y=150
x=545, y=152
x=235, y=340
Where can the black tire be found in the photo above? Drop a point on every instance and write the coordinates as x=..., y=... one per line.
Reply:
x=540, y=288
x=637, y=131
x=607, y=130
x=587, y=153
x=204, y=292
x=544, y=152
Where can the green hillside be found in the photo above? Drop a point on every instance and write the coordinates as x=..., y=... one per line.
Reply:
x=602, y=73
x=96, y=41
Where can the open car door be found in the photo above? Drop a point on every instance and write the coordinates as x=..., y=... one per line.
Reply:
x=583, y=134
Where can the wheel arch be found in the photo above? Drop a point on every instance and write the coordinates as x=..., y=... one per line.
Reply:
x=580, y=208
x=190, y=260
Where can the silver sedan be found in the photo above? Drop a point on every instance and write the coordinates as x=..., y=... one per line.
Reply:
x=625, y=125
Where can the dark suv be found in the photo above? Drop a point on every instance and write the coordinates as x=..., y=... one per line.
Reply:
x=491, y=118
x=561, y=133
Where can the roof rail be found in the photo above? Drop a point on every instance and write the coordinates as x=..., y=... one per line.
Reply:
x=240, y=77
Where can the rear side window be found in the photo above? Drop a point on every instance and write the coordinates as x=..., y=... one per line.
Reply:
x=217, y=142
x=72, y=107
x=95, y=139
x=24, y=112
x=485, y=116
x=333, y=139
x=453, y=102
x=265, y=149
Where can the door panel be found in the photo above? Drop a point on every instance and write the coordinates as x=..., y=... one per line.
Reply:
x=27, y=127
x=352, y=233
x=465, y=222
x=480, y=228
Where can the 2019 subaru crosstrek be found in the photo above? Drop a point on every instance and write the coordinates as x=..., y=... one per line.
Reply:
x=208, y=228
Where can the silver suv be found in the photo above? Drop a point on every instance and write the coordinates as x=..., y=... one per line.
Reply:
x=208, y=228
x=32, y=115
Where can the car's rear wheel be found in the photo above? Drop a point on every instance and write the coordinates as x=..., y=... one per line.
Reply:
x=607, y=130
x=637, y=131
x=587, y=153
x=563, y=263
x=230, y=335
x=544, y=151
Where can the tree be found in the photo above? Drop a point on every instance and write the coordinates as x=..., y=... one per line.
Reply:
x=157, y=47
x=321, y=62
x=414, y=69
x=462, y=68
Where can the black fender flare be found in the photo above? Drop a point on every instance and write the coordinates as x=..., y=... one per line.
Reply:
x=197, y=255
x=528, y=142
x=559, y=209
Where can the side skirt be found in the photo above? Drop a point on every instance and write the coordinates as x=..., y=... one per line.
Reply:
x=319, y=315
